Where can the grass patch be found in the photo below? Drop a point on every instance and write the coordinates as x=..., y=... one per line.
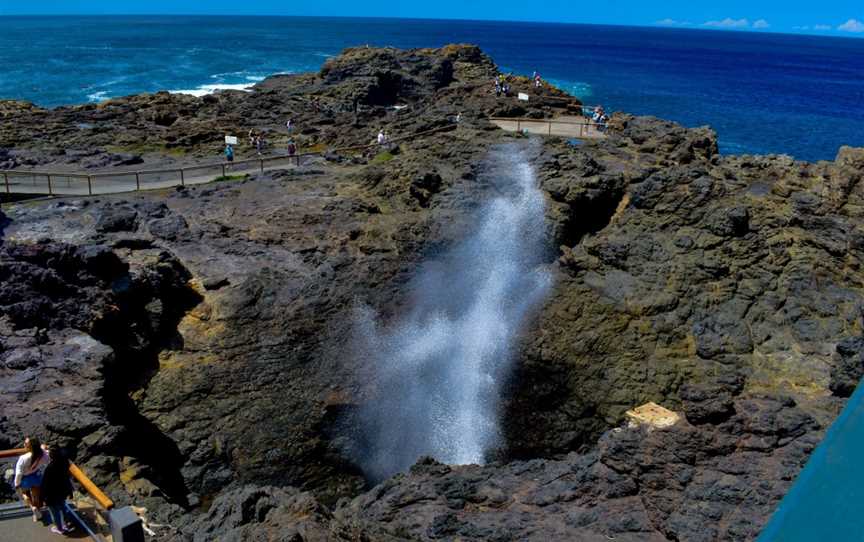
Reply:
x=225, y=178
x=318, y=147
x=382, y=157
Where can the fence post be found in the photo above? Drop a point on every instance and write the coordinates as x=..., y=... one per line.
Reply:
x=549, y=131
x=223, y=169
x=137, y=181
x=298, y=160
x=518, y=125
x=90, y=184
x=50, y=190
x=6, y=179
x=182, y=178
x=262, y=165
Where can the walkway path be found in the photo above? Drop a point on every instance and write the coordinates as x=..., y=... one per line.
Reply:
x=74, y=184
x=17, y=525
x=563, y=126
x=82, y=184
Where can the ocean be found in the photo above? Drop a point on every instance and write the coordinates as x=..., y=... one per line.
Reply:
x=763, y=93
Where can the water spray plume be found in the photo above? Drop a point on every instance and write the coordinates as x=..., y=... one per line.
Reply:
x=440, y=368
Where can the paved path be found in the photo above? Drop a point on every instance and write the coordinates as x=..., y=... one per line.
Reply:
x=24, y=530
x=115, y=183
x=17, y=525
x=574, y=127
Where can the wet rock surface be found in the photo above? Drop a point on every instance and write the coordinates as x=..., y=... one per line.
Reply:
x=217, y=322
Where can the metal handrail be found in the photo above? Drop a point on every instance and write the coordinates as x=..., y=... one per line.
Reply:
x=183, y=169
x=584, y=126
x=588, y=122
x=71, y=511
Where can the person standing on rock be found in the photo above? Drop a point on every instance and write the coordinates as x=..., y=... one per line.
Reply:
x=292, y=148
x=56, y=488
x=382, y=139
x=290, y=126
x=229, y=153
x=259, y=144
x=28, y=474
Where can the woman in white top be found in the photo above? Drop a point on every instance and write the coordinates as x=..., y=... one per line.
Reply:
x=28, y=474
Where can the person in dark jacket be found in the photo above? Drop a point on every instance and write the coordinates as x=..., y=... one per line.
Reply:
x=56, y=488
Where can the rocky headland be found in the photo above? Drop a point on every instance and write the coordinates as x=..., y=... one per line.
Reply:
x=194, y=346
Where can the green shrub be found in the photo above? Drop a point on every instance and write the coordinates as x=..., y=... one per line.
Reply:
x=382, y=157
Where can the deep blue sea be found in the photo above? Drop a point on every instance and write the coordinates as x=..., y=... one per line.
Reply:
x=763, y=93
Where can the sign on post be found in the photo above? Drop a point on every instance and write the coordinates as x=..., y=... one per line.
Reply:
x=523, y=96
x=230, y=140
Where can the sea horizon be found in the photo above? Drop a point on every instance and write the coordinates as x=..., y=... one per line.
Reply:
x=697, y=28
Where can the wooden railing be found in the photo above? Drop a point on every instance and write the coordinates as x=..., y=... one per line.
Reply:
x=6, y=454
x=92, y=489
x=178, y=176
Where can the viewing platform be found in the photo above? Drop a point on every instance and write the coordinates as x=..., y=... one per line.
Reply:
x=574, y=127
x=94, y=515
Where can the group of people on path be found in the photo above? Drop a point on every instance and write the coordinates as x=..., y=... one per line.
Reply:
x=502, y=83
x=42, y=480
x=259, y=143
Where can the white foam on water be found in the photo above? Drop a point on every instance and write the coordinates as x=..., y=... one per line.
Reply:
x=440, y=368
x=204, y=90
x=100, y=96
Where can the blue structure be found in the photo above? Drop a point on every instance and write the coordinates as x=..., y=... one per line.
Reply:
x=827, y=500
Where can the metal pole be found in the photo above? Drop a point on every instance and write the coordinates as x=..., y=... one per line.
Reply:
x=223, y=170
x=50, y=191
x=262, y=165
x=549, y=132
x=137, y=181
x=518, y=125
x=90, y=184
x=6, y=178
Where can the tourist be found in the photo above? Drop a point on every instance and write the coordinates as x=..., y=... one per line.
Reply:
x=259, y=144
x=600, y=118
x=458, y=117
x=251, y=136
x=56, y=488
x=292, y=148
x=229, y=153
x=497, y=88
x=289, y=125
x=538, y=81
x=28, y=474
x=382, y=139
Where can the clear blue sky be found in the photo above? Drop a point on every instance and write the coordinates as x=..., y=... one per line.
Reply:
x=836, y=17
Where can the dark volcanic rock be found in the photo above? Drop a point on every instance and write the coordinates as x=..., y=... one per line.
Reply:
x=117, y=218
x=711, y=482
x=209, y=350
